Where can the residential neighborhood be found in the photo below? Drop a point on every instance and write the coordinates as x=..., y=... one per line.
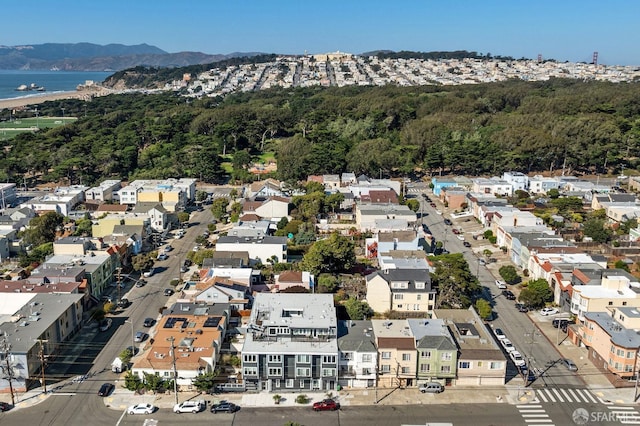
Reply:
x=245, y=313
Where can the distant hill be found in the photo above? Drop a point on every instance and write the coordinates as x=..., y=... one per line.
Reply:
x=95, y=57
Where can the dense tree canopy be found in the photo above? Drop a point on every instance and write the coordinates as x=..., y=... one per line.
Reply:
x=473, y=129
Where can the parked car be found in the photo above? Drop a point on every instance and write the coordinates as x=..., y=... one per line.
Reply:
x=501, y=284
x=105, y=324
x=482, y=262
x=507, y=345
x=454, y=230
x=141, y=336
x=326, y=405
x=149, y=273
x=148, y=322
x=168, y=248
x=5, y=406
x=508, y=294
x=189, y=407
x=499, y=333
x=561, y=322
x=224, y=407
x=517, y=359
x=521, y=307
x=571, y=366
x=168, y=292
x=466, y=244
x=106, y=389
x=141, y=409
x=140, y=283
x=124, y=303
x=548, y=311
x=163, y=256
x=431, y=387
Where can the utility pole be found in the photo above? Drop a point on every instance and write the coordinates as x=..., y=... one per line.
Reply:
x=175, y=370
x=118, y=277
x=44, y=382
x=6, y=347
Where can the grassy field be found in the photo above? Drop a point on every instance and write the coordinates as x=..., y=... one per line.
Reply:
x=31, y=124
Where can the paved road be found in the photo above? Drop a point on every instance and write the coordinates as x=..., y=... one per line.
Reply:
x=518, y=327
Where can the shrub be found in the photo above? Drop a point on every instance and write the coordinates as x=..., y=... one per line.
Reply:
x=302, y=399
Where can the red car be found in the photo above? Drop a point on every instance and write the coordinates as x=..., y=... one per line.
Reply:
x=326, y=405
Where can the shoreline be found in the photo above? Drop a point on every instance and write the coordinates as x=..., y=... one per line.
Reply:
x=11, y=103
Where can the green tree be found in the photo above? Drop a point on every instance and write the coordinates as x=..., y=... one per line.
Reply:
x=536, y=293
x=327, y=283
x=241, y=159
x=553, y=193
x=201, y=195
x=413, y=204
x=331, y=255
x=204, y=382
x=620, y=264
x=595, y=228
x=333, y=201
x=483, y=307
x=357, y=309
x=456, y=285
x=219, y=207
x=126, y=355
x=312, y=186
x=509, y=274
x=142, y=262
x=83, y=227
x=42, y=229
x=183, y=217
x=153, y=382
x=132, y=382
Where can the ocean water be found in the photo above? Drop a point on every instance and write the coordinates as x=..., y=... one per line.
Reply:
x=52, y=81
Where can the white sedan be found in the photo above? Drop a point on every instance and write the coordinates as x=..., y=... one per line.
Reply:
x=548, y=311
x=141, y=409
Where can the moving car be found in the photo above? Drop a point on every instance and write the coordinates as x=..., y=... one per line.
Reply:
x=501, y=284
x=148, y=322
x=482, y=262
x=431, y=387
x=141, y=409
x=106, y=389
x=467, y=244
x=517, y=359
x=189, y=407
x=141, y=336
x=448, y=222
x=571, y=366
x=548, y=311
x=326, y=405
x=105, y=324
x=508, y=294
x=224, y=407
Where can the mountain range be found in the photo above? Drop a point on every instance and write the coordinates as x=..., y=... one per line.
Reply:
x=95, y=57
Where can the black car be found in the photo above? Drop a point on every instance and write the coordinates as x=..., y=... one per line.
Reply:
x=521, y=307
x=124, y=303
x=224, y=407
x=148, y=322
x=508, y=294
x=467, y=244
x=106, y=389
x=5, y=406
x=168, y=292
x=140, y=283
x=561, y=322
x=448, y=222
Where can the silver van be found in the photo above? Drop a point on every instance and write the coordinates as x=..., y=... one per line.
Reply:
x=431, y=387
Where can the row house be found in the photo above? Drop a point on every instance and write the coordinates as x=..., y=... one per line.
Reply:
x=103, y=192
x=403, y=290
x=519, y=181
x=384, y=242
x=613, y=342
x=454, y=198
x=368, y=214
x=37, y=324
x=291, y=343
x=173, y=194
x=480, y=359
x=358, y=361
x=542, y=185
x=261, y=249
x=189, y=335
x=436, y=351
x=617, y=288
x=397, y=356
x=288, y=279
x=494, y=185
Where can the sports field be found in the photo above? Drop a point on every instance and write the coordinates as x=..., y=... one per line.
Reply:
x=8, y=129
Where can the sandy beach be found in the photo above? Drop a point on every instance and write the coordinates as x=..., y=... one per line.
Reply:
x=38, y=99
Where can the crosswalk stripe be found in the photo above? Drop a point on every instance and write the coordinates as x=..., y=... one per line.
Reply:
x=566, y=395
x=555, y=391
x=534, y=415
x=588, y=396
x=621, y=408
x=528, y=406
x=541, y=396
x=538, y=420
x=574, y=395
x=537, y=410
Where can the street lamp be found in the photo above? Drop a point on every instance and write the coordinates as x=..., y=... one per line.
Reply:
x=133, y=341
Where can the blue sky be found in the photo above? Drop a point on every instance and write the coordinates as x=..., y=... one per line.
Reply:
x=565, y=30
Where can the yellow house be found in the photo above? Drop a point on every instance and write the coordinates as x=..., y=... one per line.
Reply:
x=407, y=290
x=105, y=226
x=397, y=355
